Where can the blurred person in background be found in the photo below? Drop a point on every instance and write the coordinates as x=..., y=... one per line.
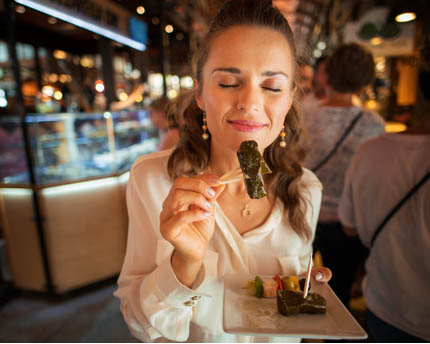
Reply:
x=319, y=84
x=305, y=76
x=336, y=128
x=384, y=169
x=168, y=131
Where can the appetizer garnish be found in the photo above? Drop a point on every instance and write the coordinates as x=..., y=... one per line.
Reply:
x=289, y=293
x=253, y=167
x=267, y=287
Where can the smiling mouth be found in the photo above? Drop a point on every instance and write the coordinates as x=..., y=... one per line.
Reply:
x=246, y=125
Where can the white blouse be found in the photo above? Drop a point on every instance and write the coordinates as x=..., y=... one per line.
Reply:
x=155, y=305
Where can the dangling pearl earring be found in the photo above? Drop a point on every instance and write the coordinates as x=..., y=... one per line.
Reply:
x=205, y=134
x=282, y=144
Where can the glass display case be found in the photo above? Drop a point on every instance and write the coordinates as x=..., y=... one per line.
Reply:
x=68, y=147
x=66, y=227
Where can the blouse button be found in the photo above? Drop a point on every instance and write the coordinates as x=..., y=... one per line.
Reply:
x=189, y=303
x=196, y=297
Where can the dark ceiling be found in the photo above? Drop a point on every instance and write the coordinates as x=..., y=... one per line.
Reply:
x=187, y=16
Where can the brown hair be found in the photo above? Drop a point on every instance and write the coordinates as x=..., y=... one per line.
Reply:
x=192, y=153
x=350, y=68
x=159, y=104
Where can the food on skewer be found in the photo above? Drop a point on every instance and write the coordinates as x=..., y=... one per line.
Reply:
x=291, y=302
x=253, y=167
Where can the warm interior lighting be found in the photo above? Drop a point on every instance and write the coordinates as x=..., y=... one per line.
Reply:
x=85, y=23
x=79, y=187
x=171, y=94
x=58, y=95
x=53, y=78
x=15, y=192
x=376, y=41
x=52, y=20
x=99, y=86
x=395, y=127
x=60, y=54
x=63, y=78
x=20, y=9
x=405, y=17
x=48, y=91
x=123, y=96
x=169, y=28
x=140, y=10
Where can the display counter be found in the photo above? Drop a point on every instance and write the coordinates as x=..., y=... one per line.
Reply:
x=80, y=166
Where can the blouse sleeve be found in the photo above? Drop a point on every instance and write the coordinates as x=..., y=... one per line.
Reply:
x=154, y=303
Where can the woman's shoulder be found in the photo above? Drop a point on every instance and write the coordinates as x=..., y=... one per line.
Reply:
x=310, y=180
x=374, y=117
x=151, y=164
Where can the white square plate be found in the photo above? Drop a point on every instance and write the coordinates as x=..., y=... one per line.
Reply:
x=248, y=315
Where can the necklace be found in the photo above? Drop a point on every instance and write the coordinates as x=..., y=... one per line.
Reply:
x=246, y=212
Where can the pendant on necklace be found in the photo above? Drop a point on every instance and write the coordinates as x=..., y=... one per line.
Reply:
x=245, y=211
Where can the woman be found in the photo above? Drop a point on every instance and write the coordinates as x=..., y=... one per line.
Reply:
x=186, y=230
x=349, y=69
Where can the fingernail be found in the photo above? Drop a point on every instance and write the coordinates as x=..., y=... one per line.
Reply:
x=208, y=205
x=210, y=192
x=207, y=214
x=319, y=276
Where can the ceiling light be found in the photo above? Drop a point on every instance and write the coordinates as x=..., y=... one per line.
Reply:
x=20, y=9
x=405, y=17
x=169, y=28
x=89, y=24
x=140, y=10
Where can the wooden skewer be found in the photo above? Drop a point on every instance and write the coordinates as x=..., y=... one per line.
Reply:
x=231, y=180
x=231, y=174
x=308, y=275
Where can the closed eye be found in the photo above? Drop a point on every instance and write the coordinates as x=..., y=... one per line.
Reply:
x=228, y=85
x=272, y=89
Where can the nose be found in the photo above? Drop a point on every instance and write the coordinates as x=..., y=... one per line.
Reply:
x=249, y=99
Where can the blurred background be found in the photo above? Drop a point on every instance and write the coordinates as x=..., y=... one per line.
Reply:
x=76, y=82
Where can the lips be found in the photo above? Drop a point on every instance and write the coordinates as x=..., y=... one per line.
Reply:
x=246, y=125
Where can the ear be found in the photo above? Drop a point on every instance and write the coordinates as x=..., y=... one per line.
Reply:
x=197, y=94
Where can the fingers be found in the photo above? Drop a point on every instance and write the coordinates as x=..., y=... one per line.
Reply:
x=172, y=226
x=321, y=274
x=186, y=192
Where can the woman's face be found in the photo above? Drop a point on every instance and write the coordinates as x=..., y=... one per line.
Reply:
x=246, y=88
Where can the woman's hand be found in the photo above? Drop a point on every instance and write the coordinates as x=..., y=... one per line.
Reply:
x=187, y=221
x=321, y=274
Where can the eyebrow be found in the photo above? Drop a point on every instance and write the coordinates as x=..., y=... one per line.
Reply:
x=234, y=70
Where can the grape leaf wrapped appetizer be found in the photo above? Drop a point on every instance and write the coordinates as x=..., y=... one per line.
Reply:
x=289, y=293
x=253, y=167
